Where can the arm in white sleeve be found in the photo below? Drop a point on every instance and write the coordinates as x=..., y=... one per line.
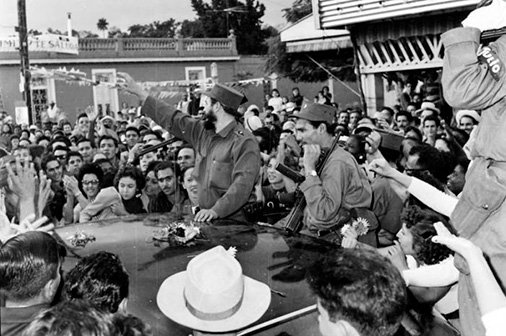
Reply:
x=432, y=197
x=495, y=322
x=442, y=274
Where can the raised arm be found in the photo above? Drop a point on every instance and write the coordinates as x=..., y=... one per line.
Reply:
x=467, y=82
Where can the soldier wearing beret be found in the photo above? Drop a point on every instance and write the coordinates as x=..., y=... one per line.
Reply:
x=228, y=158
x=474, y=78
x=340, y=187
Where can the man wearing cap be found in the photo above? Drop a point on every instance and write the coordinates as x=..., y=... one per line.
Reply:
x=228, y=157
x=467, y=119
x=341, y=185
x=474, y=77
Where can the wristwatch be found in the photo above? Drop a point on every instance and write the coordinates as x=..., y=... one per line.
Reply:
x=312, y=173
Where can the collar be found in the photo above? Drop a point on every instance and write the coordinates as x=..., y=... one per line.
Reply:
x=21, y=314
x=227, y=129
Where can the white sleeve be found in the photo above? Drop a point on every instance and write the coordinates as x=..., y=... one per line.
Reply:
x=432, y=197
x=442, y=274
x=495, y=322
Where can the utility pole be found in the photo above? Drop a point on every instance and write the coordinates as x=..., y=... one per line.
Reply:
x=23, y=53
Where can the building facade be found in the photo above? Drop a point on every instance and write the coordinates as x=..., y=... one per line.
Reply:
x=146, y=59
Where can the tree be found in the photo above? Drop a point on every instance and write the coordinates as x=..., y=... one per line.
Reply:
x=218, y=17
x=193, y=28
x=299, y=10
x=115, y=32
x=155, y=29
x=102, y=25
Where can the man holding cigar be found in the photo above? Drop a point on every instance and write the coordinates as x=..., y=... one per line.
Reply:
x=474, y=77
x=341, y=186
x=228, y=158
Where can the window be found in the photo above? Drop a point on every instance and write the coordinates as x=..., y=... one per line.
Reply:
x=105, y=97
x=195, y=73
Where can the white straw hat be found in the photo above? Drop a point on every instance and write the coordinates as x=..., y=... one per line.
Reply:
x=213, y=295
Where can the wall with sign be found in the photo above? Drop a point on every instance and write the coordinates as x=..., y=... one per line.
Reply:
x=73, y=98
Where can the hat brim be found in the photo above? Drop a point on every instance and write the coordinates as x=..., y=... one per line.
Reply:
x=419, y=111
x=171, y=301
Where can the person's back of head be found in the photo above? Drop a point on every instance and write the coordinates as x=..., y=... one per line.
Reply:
x=72, y=318
x=358, y=290
x=101, y=280
x=30, y=268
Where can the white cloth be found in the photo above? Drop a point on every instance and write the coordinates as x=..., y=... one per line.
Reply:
x=432, y=197
x=442, y=274
x=487, y=17
x=495, y=322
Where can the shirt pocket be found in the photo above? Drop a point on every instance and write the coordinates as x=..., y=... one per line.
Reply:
x=221, y=175
x=483, y=195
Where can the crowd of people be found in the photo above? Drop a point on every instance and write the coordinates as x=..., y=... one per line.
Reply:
x=391, y=189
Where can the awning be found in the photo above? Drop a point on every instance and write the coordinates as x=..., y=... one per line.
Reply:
x=318, y=45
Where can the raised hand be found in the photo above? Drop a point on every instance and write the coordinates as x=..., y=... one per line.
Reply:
x=22, y=181
x=44, y=192
x=460, y=245
x=127, y=84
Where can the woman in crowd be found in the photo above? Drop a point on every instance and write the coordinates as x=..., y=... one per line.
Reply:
x=192, y=188
x=152, y=187
x=427, y=267
x=82, y=191
x=123, y=199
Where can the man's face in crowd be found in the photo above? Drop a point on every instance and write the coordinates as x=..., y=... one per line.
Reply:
x=67, y=129
x=167, y=181
x=456, y=180
x=108, y=148
x=306, y=133
x=344, y=118
x=131, y=138
x=83, y=124
x=85, y=150
x=186, y=157
x=429, y=128
x=466, y=124
x=402, y=122
x=54, y=171
x=75, y=163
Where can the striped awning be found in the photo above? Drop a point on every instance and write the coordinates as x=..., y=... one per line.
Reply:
x=318, y=45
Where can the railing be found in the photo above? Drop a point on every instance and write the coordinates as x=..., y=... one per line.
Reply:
x=180, y=47
x=145, y=48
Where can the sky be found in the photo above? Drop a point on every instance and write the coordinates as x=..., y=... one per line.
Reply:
x=42, y=14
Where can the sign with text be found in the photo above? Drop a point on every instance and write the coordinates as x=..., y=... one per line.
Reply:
x=46, y=42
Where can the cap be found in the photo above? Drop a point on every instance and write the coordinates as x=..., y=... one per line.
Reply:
x=226, y=96
x=317, y=112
